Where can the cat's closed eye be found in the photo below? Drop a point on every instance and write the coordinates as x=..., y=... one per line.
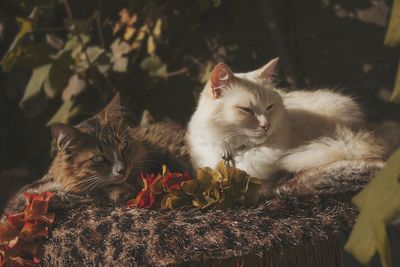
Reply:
x=270, y=107
x=98, y=159
x=247, y=110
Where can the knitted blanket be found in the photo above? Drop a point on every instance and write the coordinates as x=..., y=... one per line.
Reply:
x=298, y=227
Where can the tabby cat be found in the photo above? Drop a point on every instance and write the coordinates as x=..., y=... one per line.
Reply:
x=101, y=158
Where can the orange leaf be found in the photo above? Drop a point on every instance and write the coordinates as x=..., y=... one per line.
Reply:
x=20, y=235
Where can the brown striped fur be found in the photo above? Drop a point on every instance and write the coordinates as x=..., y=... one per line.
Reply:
x=74, y=175
x=96, y=153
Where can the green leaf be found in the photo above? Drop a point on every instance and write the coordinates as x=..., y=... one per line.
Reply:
x=151, y=63
x=59, y=75
x=26, y=25
x=10, y=58
x=35, y=84
x=91, y=54
x=379, y=202
x=395, y=97
x=76, y=41
x=392, y=37
x=119, y=50
x=161, y=72
x=204, y=76
x=66, y=112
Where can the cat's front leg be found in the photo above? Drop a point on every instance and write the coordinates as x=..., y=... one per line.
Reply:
x=119, y=194
x=63, y=200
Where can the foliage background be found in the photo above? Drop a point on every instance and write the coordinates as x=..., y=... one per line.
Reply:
x=336, y=44
x=329, y=43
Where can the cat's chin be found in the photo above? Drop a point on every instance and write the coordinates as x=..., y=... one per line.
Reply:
x=115, y=180
x=257, y=138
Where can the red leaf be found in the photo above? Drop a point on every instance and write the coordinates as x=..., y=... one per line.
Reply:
x=155, y=187
x=17, y=220
x=20, y=235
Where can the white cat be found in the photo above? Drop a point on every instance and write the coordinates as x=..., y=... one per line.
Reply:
x=263, y=129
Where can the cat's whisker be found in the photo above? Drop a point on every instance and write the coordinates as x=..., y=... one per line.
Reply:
x=94, y=183
x=92, y=180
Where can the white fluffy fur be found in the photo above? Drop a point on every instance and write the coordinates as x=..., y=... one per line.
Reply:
x=334, y=106
x=216, y=128
x=342, y=145
x=308, y=129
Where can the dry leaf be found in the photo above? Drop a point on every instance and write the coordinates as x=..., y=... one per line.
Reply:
x=129, y=32
x=119, y=49
x=66, y=112
x=35, y=84
x=157, y=29
x=151, y=45
x=140, y=37
x=223, y=187
x=25, y=27
x=75, y=86
x=21, y=233
x=161, y=190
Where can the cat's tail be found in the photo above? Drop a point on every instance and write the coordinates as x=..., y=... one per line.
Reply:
x=344, y=149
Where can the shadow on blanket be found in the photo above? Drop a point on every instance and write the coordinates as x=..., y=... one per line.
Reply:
x=293, y=229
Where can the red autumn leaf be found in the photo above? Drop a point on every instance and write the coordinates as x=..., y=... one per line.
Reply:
x=172, y=181
x=31, y=231
x=7, y=232
x=145, y=198
x=2, y=259
x=17, y=220
x=37, y=207
x=156, y=186
x=20, y=235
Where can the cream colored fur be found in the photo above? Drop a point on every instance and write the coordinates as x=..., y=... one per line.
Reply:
x=309, y=129
x=341, y=145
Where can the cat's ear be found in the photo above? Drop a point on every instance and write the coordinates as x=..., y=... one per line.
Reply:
x=113, y=110
x=267, y=71
x=221, y=76
x=64, y=134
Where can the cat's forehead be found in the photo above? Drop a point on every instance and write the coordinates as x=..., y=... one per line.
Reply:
x=111, y=135
x=245, y=90
x=110, y=132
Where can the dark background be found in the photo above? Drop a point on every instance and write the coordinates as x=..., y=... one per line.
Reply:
x=321, y=43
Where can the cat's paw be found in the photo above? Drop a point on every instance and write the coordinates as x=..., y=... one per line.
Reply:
x=63, y=200
x=119, y=194
x=228, y=159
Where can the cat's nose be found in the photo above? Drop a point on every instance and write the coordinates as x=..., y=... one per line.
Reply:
x=265, y=126
x=119, y=170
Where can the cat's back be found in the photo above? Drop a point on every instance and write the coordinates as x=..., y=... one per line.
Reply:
x=166, y=138
x=164, y=134
x=325, y=104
